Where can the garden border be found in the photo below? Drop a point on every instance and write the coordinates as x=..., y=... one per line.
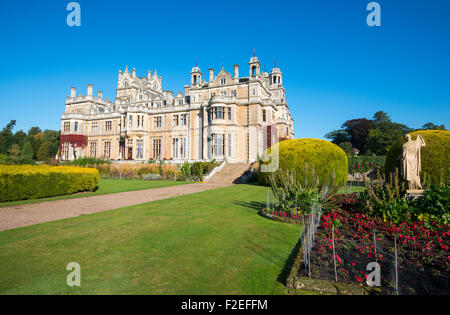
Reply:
x=295, y=283
x=269, y=216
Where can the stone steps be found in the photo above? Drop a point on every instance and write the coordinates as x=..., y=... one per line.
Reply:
x=230, y=173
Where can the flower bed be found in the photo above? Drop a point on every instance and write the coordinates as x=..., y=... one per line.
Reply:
x=422, y=250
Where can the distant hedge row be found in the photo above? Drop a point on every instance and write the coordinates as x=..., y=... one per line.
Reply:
x=362, y=164
x=19, y=182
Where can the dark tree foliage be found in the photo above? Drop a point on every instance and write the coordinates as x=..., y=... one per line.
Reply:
x=358, y=130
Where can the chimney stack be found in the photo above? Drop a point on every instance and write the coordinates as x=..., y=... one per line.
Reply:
x=211, y=75
x=89, y=90
x=73, y=92
x=236, y=72
x=149, y=75
x=134, y=72
x=100, y=94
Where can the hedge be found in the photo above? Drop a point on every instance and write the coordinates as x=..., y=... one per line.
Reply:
x=362, y=164
x=435, y=156
x=323, y=155
x=31, y=182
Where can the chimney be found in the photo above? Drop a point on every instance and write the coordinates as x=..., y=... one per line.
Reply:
x=149, y=75
x=73, y=92
x=134, y=72
x=100, y=94
x=89, y=90
x=120, y=74
x=236, y=72
x=211, y=75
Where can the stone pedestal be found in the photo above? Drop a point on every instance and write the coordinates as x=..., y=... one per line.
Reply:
x=413, y=194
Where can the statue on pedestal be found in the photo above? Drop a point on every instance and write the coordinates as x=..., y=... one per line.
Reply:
x=412, y=163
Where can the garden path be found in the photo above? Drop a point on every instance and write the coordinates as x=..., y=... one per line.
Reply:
x=29, y=214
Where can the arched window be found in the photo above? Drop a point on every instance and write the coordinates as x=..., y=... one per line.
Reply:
x=253, y=71
x=195, y=79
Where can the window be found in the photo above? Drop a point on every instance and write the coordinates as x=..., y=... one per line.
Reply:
x=218, y=112
x=156, y=148
x=94, y=127
x=108, y=126
x=218, y=144
x=66, y=126
x=224, y=93
x=76, y=126
x=180, y=102
x=229, y=113
x=213, y=94
x=176, y=120
x=184, y=119
x=65, y=151
x=233, y=93
x=175, y=148
x=107, y=150
x=138, y=120
x=183, y=148
x=139, y=149
x=130, y=121
x=223, y=81
x=93, y=149
x=264, y=115
x=158, y=122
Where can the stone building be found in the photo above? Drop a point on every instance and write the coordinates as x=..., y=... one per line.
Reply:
x=228, y=117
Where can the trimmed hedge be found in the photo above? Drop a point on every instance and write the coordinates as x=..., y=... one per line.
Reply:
x=362, y=164
x=435, y=156
x=31, y=182
x=323, y=155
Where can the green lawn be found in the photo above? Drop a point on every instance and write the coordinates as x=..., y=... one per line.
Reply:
x=106, y=186
x=212, y=242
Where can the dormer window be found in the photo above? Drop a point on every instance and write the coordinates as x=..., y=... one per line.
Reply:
x=223, y=81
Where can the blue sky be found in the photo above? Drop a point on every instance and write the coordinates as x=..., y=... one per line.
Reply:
x=335, y=67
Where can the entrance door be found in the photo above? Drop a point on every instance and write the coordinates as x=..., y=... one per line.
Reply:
x=130, y=153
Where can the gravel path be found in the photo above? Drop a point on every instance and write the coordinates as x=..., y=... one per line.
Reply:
x=23, y=215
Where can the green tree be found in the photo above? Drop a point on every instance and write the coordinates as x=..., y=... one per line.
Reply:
x=43, y=151
x=338, y=136
x=6, y=137
x=431, y=126
x=347, y=147
x=27, y=151
x=14, y=150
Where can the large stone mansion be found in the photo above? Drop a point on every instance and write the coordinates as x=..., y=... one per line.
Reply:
x=229, y=118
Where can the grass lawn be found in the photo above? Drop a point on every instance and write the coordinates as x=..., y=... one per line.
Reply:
x=212, y=242
x=106, y=186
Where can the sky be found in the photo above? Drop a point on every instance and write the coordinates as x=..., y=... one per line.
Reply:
x=335, y=66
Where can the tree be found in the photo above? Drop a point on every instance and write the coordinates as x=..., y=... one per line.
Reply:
x=338, y=136
x=384, y=135
x=380, y=117
x=34, y=130
x=14, y=150
x=358, y=130
x=431, y=126
x=347, y=147
x=43, y=151
x=27, y=151
x=6, y=137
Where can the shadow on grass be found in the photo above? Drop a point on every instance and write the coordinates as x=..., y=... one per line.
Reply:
x=282, y=277
x=252, y=204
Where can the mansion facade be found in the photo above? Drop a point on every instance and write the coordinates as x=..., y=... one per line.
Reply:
x=228, y=117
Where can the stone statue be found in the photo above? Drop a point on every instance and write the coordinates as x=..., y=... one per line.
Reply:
x=412, y=162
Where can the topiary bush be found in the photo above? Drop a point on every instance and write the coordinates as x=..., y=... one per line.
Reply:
x=435, y=156
x=30, y=182
x=302, y=155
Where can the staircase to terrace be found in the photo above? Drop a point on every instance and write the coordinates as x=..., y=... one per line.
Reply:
x=230, y=173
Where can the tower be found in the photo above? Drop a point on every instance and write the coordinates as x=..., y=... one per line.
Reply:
x=276, y=77
x=254, y=67
x=196, y=76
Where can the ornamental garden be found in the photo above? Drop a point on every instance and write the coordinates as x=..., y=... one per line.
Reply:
x=342, y=223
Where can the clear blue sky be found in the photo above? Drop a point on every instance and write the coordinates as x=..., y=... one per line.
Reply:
x=335, y=67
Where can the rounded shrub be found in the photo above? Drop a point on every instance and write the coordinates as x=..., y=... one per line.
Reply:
x=435, y=156
x=303, y=155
